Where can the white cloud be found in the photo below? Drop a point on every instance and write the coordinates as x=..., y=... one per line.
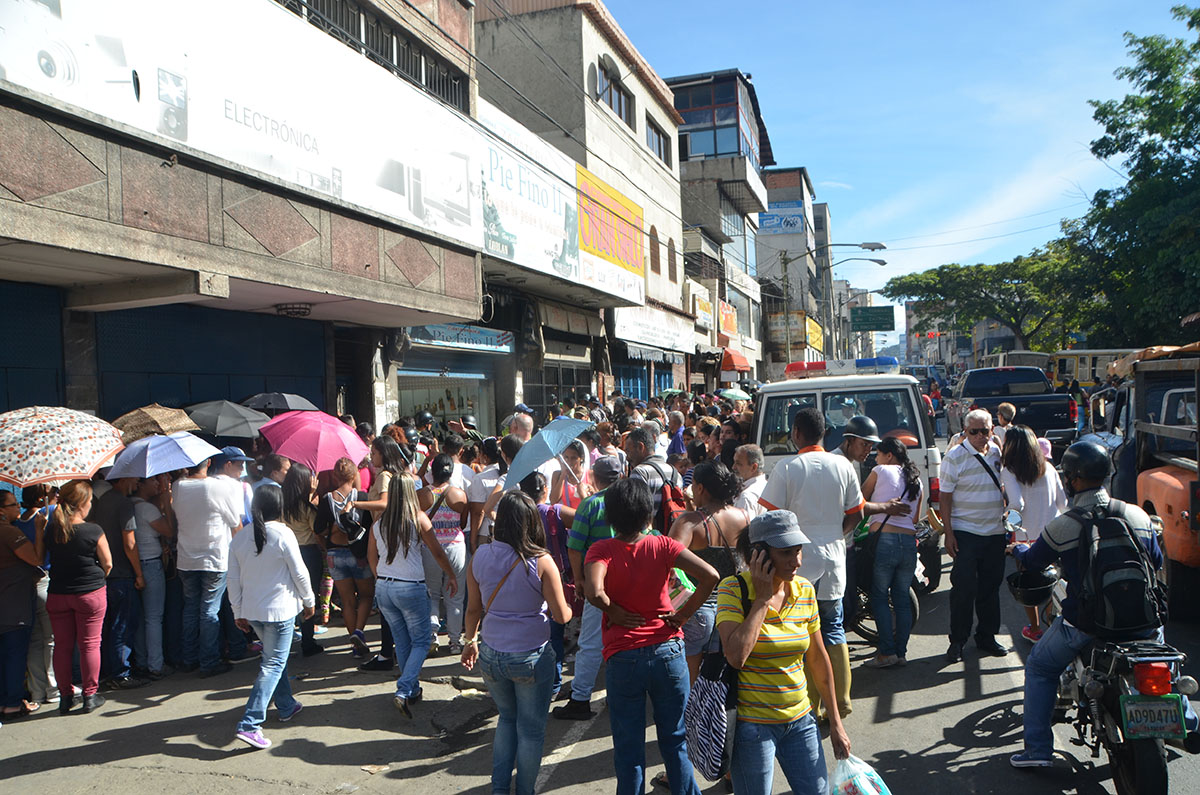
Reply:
x=829, y=183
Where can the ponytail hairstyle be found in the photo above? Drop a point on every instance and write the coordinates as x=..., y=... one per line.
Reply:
x=721, y=483
x=71, y=499
x=908, y=470
x=534, y=484
x=398, y=523
x=267, y=506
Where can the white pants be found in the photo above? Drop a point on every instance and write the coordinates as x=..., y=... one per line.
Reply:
x=435, y=582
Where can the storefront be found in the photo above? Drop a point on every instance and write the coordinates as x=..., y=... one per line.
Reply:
x=569, y=339
x=451, y=372
x=650, y=350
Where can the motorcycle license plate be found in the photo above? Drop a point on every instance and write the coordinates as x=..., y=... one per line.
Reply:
x=1152, y=716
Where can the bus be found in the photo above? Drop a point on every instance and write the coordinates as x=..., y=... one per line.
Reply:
x=1089, y=366
x=1016, y=359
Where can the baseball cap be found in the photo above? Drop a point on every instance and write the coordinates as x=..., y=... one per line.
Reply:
x=777, y=529
x=228, y=454
x=522, y=409
x=607, y=469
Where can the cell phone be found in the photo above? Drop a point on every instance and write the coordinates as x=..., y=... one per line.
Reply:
x=766, y=550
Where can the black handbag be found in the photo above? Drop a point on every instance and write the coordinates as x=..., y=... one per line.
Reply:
x=350, y=523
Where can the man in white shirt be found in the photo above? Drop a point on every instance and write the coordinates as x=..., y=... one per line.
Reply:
x=481, y=487
x=748, y=463
x=972, y=508
x=208, y=512
x=822, y=490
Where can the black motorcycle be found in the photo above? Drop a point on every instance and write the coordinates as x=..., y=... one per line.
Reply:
x=860, y=618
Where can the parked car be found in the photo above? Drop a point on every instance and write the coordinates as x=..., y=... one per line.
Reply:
x=892, y=401
x=1050, y=414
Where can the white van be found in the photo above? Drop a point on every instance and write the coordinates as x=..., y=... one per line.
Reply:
x=892, y=401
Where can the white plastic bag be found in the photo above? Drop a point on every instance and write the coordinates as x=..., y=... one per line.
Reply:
x=853, y=776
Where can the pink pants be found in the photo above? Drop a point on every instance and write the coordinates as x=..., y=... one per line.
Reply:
x=77, y=619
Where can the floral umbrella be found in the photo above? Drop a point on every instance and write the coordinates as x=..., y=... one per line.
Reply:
x=41, y=444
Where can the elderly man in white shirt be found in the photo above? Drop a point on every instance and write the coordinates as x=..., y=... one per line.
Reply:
x=822, y=490
x=748, y=464
x=972, y=509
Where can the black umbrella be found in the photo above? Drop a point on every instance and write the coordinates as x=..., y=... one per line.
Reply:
x=279, y=401
x=223, y=418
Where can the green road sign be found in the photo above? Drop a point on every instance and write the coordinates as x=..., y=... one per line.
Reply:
x=872, y=318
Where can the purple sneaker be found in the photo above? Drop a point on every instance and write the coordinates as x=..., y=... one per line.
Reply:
x=254, y=738
x=359, y=642
x=285, y=718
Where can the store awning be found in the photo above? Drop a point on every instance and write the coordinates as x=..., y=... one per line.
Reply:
x=734, y=360
x=648, y=354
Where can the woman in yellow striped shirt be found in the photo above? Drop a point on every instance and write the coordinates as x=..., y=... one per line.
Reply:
x=769, y=642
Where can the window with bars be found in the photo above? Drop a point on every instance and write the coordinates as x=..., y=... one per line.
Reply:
x=672, y=268
x=655, y=262
x=388, y=46
x=610, y=91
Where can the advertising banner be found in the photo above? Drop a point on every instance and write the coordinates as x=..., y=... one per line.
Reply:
x=816, y=337
x=702, y=308
x=461, y=336
x=782, y=218
x=777, y=334
x=729, y=319
x=299, y=107
x=649, y=326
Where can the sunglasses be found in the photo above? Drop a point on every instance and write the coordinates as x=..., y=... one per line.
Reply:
x=978, y=431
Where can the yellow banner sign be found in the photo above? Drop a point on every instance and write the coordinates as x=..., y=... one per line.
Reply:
x=816, y=337
x=610, y=225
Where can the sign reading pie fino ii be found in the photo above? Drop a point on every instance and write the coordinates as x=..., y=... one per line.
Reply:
x=610, y=225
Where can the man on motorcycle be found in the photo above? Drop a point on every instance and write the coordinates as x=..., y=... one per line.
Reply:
x=1085, y=467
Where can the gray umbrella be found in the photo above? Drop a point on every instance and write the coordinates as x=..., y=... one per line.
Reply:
x=279, y=401
x=225, y=418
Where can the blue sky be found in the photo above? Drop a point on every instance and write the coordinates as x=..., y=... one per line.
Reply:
x=925, y=125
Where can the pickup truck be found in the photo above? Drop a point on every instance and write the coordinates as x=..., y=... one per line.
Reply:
x=1050, y=414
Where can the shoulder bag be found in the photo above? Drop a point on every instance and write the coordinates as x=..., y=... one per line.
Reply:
x=710, y=717
x=991, y=474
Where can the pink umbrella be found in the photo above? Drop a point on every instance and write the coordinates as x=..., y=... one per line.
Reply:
x=313, y=438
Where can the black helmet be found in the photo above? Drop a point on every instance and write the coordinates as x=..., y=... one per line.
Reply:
x=1033, y=587
x=468, y=421
x=863, y=428
x=411, y=435
x=1086, y=460
x=423, y=419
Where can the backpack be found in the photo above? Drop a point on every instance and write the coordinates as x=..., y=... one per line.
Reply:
x=672, y=502
x=1119, y=595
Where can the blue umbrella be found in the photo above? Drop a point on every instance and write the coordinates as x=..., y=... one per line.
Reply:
x=545, y=444
x=154, y=455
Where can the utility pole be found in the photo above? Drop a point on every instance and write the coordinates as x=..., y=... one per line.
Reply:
x=787, y=307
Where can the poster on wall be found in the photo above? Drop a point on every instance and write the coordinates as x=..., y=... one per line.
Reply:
x=729, y=319
x=301, y=108
x=702, y=308
x=782, y=218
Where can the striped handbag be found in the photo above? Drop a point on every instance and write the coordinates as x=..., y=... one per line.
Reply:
x=710, y=717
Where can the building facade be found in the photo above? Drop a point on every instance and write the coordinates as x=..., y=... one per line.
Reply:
x=565, y=70
x=723, y=145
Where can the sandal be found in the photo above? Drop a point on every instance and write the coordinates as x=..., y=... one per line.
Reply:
x=660, y=780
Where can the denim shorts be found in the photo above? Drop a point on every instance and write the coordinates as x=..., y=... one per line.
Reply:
x=700, y=632
x=344, y=566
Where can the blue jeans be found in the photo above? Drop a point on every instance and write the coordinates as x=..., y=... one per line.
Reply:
x=122, y=618
x=14, y=648
x=661, y=672
x=235, y=640
x=272, y=683
x=173, y=621
x=149, y=644
x=895, y=564
x=558, y=645
x=405, y=605
x=832, y=617
x=520, y=684
x=589, y=656
x=700, y=632
x=797, y=746
x=202, y=592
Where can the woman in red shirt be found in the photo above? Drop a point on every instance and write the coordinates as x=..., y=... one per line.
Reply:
x=643, y=640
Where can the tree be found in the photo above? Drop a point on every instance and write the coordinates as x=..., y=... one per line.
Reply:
x=1033, y=296
x=1141, y=242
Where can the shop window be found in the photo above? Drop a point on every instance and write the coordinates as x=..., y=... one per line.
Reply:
x=631, y=380
x=663, y=378
x=655, y=262
x=672, y=267
x=553, y=383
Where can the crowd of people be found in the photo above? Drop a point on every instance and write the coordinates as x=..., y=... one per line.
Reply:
x=654, y=539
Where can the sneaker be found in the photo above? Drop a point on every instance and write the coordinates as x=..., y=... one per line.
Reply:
x=882, y=661
x=220, y=668
x=415, y=698
x=292, y=714
x=359, y=641
x=1026, y=759
x=901, y=661
x=456, y=648
x=378, y=663
x=127, y=682
x=1030, y=634
x=320, y=629
x=254, y=739
x=246, y=656
x=573, y=710
x=255, y=647
x=162, y=673
x=401, y=703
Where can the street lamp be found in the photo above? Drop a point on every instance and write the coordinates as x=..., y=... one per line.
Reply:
x=785, y=260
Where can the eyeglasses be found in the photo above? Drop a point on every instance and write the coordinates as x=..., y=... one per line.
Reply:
x=978, y=431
